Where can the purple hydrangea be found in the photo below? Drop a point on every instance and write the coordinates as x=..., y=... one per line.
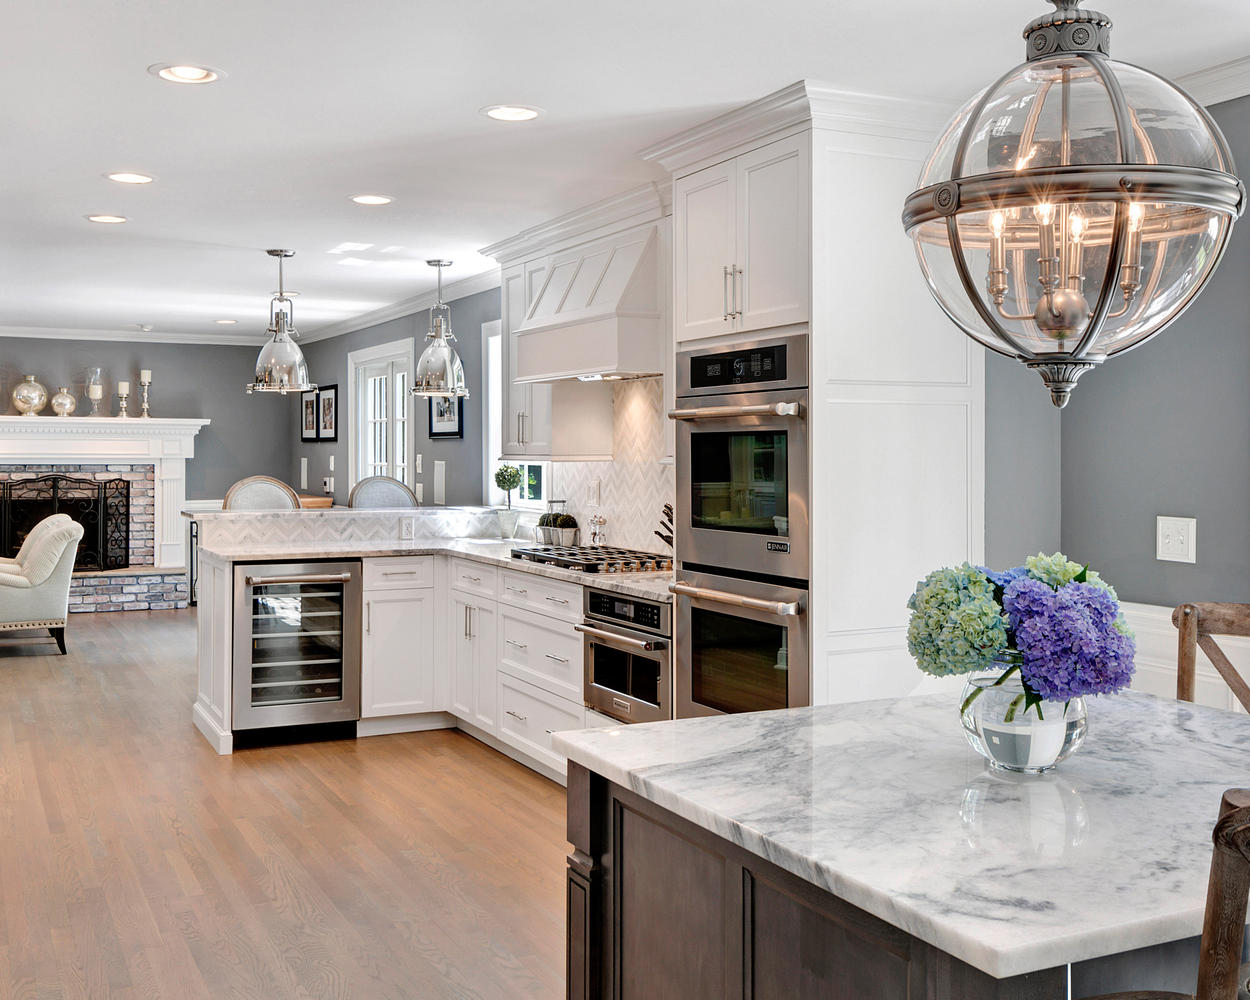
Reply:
x=1005, y=578
x=1070, y=639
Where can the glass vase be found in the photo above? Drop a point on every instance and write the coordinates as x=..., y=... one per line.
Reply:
x=30, y=396
x=1012, y=734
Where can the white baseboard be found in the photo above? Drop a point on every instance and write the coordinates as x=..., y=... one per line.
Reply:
x=1156, y=658
x=496, y=744
x=420, y=723
x=220, y=740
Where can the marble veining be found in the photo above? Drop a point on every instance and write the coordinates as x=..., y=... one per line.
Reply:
x=884, y=804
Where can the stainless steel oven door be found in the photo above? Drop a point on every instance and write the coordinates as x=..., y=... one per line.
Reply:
x=742, y=482
x=629, y=674
x=741, y=646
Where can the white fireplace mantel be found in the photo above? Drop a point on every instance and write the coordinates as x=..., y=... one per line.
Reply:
x=162, y=442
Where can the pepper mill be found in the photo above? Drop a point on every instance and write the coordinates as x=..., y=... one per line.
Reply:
x=597, y=535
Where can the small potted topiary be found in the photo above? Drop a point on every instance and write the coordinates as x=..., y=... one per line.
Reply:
x=508, y=478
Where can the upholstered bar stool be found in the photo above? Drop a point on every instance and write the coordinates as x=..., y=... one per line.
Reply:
x=260, y=493
x=381, y=493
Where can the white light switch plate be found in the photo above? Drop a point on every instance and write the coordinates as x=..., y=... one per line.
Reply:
x=419, y=490
x=440, y=483
x=418, y=463
x=1176, y=539
x=331, y=462
x=303, y=473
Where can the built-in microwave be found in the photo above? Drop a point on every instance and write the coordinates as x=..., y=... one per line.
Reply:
x=742, y=457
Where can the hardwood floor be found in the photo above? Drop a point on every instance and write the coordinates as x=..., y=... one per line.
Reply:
x=135, y=862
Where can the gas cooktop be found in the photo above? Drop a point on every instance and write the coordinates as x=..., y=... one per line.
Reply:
x=596, y=558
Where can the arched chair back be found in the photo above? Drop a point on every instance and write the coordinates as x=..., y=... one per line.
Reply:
x=381, y=492
x=260, y=493
x=1198, y=624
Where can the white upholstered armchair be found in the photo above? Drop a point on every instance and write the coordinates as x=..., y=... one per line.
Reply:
x=34, y=587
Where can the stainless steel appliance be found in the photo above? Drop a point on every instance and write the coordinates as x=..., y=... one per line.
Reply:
x=743, y=646
x=627, y=656
x=742, y=457
x=296, y=643
x=596, y=559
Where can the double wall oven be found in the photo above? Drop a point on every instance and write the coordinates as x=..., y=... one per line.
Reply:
x=742, y=527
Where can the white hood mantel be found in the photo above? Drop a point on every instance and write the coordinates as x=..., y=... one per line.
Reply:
x=598, y=312
x=165, y=443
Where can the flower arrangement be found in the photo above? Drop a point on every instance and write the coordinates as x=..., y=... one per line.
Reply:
x=1054, y=621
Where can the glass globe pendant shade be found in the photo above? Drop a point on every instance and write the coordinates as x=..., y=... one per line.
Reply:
x=1073, y=209
x=280, y=366
x=440, y=371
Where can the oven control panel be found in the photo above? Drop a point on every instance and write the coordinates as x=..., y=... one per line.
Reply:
x=650, y=616
x=742, y=367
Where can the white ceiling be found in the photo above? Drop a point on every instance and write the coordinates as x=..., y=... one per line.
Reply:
x=325, y=99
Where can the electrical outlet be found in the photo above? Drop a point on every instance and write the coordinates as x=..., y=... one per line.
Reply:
x=1176, y=539
x=419, y=490
x=407, y=528
x=595, y=495
x=327, y=484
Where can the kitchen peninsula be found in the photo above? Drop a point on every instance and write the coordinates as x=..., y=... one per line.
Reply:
x=426, y=613
x=864, y=851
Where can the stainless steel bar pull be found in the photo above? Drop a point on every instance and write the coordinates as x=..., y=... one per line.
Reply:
x=782, y=609
x=519, y=718
x=724, y=287
x=368, y=617
x=266, y=581
x=785, y=409
x=736, y=311
x=622, y=640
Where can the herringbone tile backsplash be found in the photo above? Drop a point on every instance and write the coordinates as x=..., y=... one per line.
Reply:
x=636, y=485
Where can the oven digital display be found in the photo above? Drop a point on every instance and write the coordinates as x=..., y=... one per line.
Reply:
x=622, y=609
x=760, y=364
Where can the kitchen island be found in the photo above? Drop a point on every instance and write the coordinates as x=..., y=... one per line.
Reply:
x=864, y=851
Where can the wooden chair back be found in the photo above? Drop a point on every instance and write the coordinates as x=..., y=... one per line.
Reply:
x=1197, y=624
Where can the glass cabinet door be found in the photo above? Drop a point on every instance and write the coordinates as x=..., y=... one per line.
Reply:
x=297, y=643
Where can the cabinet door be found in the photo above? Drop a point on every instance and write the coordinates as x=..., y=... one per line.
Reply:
x=463, y=658
x=704, y=231
x=482, y=628
x=515, y=397
x=536, y=419
x=397, y=653
x=774, y=234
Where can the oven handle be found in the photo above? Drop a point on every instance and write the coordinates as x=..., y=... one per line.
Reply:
x=264, y=581
x=647, y=645
x=791, y=409
x=782, y=609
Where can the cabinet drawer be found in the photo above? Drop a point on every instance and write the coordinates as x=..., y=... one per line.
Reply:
x=529, y=715
x=398, y=572
x=542, y=651
x=542, y=594
x=474, y=578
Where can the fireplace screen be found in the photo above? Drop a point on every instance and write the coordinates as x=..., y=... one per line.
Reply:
x=102, y=508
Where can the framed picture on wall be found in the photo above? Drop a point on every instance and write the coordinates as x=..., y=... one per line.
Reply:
x=328, y=413
x=308, y=415
x=446, y=417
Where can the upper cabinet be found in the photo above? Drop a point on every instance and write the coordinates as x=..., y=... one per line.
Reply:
x=742, y=242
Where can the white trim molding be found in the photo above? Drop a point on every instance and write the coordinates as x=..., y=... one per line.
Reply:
x=404, y=348
x=1217, y=84
x=165, y=443
x=244, y=339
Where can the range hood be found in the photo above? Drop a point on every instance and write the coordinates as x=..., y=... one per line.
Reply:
x=598, y=312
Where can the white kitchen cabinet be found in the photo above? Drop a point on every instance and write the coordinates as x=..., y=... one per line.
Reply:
x=526, y=407
x=472, y=644
x=528, y=716
x=742, y=242
x=397, y=653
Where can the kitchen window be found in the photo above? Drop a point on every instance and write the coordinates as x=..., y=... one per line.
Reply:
x=380, y=408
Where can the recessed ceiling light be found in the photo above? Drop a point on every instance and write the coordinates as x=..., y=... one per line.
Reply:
x=185, y=72
x=225, y=322
x=371, y=199
x=111, y=220
x=128, y=177
x=354, y=262
x=511, y=112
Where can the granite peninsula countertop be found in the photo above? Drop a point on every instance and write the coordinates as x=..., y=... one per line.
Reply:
x=494, y=551
x=886, y=806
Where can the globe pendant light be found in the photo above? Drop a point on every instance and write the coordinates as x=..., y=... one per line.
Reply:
x=1073, y=209
x=439, y=371
x=280, y=366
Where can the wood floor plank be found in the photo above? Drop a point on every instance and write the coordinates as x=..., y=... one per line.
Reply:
x=137, y=864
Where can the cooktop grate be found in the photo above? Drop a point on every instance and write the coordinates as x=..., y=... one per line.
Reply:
x=596, y=558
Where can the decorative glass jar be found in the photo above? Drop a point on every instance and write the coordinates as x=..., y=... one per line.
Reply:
x=29, y=396
x=64, y=402
x=1014, y=735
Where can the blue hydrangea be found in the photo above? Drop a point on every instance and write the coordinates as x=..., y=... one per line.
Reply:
x=1004, y=578
x=1071, y=639
x=956, y=625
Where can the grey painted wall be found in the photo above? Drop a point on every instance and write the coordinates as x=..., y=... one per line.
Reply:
x=1165, y=429
x=247, y=435
x=327, y=364
x=1022, y=464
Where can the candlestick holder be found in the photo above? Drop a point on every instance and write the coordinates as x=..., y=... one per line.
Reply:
x=144, y=386
x=121, y=404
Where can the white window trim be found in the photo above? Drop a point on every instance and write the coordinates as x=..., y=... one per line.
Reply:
x=358, y=359
x=492, y=329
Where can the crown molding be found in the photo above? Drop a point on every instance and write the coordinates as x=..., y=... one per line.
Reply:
x=645, y=203
x=1217, y=84
x=254, y=339
x=463, y=288
x=807, y=102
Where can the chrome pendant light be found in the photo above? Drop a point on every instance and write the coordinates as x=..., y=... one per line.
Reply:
x=439, y=371
x=1073, y=209
x=280, y=366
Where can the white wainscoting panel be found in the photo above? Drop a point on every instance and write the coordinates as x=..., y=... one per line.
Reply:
x=1156, y=658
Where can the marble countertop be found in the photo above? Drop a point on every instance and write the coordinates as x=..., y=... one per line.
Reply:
x=494, y=551
x=885, y=805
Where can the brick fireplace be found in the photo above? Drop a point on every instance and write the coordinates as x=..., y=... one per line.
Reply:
x=149, y=457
